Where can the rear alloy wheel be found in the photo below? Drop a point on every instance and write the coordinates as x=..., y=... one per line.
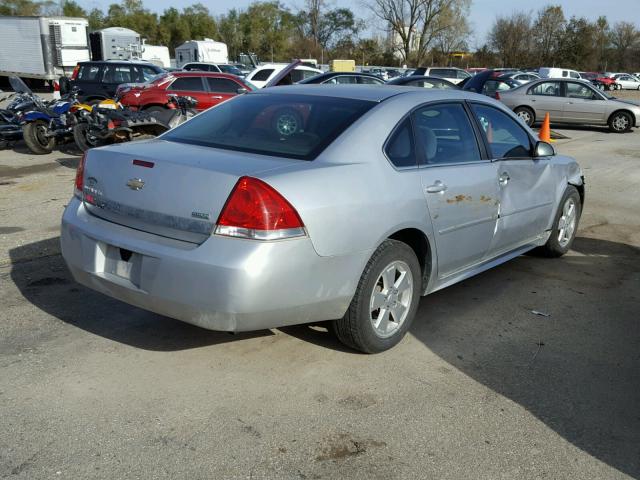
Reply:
x=526, y=115
x=287, y=122
x=565, y=225
x=385, y=302
x=620, y=122
x=35, y=136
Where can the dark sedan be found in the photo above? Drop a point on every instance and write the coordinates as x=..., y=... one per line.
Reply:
x=424, y=82
x=344, y=78
x=490, y=83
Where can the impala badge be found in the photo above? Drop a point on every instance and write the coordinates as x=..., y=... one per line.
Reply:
x=135, y=183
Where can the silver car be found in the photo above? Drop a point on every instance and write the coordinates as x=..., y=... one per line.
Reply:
x=572, y=102
x=307, y=203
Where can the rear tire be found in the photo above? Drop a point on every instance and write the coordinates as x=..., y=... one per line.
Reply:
x=565, y=225
x=527, y=115
x=34, y=134
x=620, y=122
x=80, y=136
x=385, y=301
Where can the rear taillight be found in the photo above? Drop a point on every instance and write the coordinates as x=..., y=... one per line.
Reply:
x=257, y=211
x=497, y=96
x=80, y=177
x=74, y=74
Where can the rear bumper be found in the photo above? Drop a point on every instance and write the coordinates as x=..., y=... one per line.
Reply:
x=223, y=284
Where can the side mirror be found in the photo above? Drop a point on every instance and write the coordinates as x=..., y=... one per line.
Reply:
x=242, y=91
x=543, y=149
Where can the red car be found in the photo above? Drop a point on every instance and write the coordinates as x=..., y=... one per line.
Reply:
x=600, y=80
x=207, y=88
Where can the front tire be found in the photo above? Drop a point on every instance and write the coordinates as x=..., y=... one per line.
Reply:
x=565, y=225
x=385, y=301
x=526, y=115
x=34, y=134
x=620, y=122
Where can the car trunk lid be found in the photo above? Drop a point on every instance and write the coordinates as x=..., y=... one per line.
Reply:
x=167, y=188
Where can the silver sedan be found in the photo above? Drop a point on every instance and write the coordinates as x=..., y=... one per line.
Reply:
x=308, y=203
x=571, y=101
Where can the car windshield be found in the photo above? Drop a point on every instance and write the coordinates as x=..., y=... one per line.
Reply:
x=293, y=126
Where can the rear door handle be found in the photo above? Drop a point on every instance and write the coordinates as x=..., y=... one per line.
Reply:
x=437, y=187
x=216, y=96
x=504, y=179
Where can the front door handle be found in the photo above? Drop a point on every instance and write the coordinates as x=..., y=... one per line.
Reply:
x=504, y=179
x=437, y=187
x=216, y=96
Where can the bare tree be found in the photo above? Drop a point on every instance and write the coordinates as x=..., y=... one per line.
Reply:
x=549, y=26
x=510, y=37
x=413, y=24
x=624, y=38
x=455, y=36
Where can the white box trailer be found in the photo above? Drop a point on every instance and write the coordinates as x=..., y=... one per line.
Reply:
x=115, y=43
x=207, y=51
x=42, y=47
x=156, y=54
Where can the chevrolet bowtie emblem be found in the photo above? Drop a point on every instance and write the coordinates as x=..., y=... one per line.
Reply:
x=135, y=183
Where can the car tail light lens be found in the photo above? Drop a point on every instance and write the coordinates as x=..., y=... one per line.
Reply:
x=80, y=177
x=74, y=74
x=497, y=96
x=257, y=211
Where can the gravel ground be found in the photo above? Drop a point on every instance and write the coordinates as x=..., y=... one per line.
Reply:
x=480, y=389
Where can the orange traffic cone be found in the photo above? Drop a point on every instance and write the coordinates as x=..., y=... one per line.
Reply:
x=545, y=129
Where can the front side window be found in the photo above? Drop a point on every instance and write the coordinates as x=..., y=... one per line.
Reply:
x=506, y=138
x=446, y=134
x=297, y=75
x=187, y=84
x=370, y=81
x=550, y=89
x=400, y=148
x=292, y=126
x=579, y=90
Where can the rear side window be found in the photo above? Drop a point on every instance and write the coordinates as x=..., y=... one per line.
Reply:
x=292, y=126
x=298, y=75
x=222, y=85
x=551, y=89
x=343, y=79
x=446, y=134
x=117, y=74
x=187, y=84
x=506, y=138
x=400, y=148
x=89, y=73
x=262, y=75
x=370, y=81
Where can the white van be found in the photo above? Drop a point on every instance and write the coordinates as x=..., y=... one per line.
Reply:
x=553, y=72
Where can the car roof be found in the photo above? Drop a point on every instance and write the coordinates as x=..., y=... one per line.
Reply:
x=281, y=66
x=373, y=93
x=115, y=62
x=199, y=73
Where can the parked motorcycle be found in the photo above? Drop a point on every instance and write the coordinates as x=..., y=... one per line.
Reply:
x=104, y=126
x=47, y=123
x=11, y=117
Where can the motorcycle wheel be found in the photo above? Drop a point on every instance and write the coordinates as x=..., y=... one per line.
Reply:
x=83, y=140
x=34, y=134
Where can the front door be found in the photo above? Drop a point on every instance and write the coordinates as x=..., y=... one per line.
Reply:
x=583, y=104
x=460, y=187
x=526, y=187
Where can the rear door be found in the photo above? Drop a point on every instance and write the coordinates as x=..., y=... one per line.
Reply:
x=546, y=97
x=460, y=185
x=115, y=74
x=526, y=184
x=221, y=89
x=192, y=86
x=89, y=79
x=583, y=104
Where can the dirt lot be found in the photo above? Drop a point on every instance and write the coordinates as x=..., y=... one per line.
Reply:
x=480, y=389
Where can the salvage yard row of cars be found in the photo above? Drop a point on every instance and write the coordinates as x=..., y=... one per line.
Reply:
x=115, y=101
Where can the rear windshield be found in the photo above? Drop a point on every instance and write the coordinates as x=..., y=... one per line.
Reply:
x=293, y=126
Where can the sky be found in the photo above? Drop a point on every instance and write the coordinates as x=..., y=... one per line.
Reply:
x=482, y=15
